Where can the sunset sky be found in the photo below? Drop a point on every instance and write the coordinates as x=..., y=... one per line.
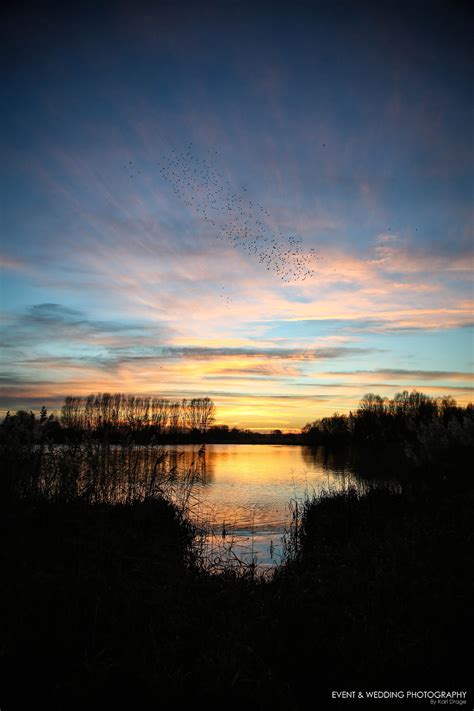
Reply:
x=350, y=123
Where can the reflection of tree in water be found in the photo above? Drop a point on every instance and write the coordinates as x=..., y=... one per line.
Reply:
x=194, y=462
x=332, y=461
x=361, y=466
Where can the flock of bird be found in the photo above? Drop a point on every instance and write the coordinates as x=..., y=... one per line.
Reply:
x=225, y=298
x=233, y=216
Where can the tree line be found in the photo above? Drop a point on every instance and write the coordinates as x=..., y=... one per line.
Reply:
x=408, y=419
x=401, y=419
x=109, y=411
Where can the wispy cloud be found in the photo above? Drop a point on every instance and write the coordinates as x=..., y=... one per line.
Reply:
x=11, y=264
x=399, y=374
x=128, y=289
x=270, y=353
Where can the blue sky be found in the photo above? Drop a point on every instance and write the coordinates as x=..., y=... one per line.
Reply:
x=345, y=126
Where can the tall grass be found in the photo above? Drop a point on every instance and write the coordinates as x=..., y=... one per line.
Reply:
x=95, y=472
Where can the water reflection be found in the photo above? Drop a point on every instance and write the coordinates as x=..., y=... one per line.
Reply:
x=243, y=494
x=191, y=458
x=332, y=460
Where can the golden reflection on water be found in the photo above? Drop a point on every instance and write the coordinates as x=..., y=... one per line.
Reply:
x=244, y=493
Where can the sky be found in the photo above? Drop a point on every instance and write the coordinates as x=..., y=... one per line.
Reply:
x=337, y=134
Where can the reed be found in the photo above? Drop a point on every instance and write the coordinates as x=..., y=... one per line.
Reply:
x=112, y=597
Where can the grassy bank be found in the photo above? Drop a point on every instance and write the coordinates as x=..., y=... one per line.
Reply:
x=383, y=583
x=108, y=604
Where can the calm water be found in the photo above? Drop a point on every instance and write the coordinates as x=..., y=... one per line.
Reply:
x=244, y=493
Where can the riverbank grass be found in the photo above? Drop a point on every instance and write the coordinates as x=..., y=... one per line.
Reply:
x=109, y=604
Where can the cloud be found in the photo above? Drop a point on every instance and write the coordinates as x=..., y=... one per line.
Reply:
x=11, y=264
x=300, y=354
x=398, y=373
x=53, y=312
x=135, y=246
x=48, y=323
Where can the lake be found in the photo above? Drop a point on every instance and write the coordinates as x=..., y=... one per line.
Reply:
x=243, y=495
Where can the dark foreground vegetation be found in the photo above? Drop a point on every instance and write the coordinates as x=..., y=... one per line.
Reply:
x=108, y=603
